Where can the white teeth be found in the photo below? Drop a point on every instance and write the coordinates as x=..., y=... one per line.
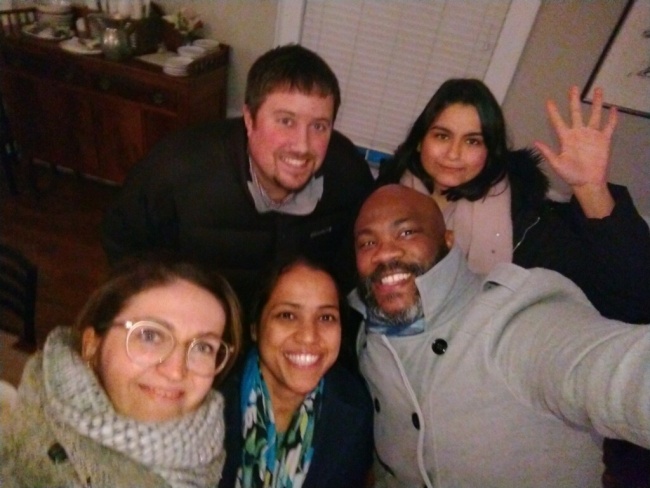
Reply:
x=294, y=162
x=302, y=359
x=166, y=393
x=395, y=278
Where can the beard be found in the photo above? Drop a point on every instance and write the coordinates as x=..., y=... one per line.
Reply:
x=405, y=316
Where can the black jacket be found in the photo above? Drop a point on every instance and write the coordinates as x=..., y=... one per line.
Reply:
x=343, y=444
x=609, y=259
x=190, y=196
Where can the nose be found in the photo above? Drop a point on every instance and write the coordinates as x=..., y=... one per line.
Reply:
x=454, y=149
x=386, y=251
x=174, y=367
x=300, y=142
x=307, y=332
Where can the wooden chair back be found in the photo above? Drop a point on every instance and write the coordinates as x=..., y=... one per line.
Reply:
x=18, y=284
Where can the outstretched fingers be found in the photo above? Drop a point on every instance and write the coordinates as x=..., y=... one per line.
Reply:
x=556, y=119
x=596, y=109
x=547, y=153
x=575, y=107
x=612, y=121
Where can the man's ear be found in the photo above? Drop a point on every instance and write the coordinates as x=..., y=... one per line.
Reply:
x=90, y=341
x=449, y=238
x=248, y=119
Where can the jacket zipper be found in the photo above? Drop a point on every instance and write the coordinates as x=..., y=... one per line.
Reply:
x=526, y=232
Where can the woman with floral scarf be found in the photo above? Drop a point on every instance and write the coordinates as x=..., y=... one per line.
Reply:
x=293, y=417
x=125, y=398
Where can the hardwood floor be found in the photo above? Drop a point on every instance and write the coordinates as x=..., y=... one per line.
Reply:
x=57, y=228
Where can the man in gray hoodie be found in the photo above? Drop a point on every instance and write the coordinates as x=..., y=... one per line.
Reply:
x=509, y=379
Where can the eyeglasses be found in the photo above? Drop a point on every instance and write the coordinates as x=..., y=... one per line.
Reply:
x=150, y=342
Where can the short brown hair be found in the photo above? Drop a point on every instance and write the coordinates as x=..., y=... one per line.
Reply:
x=291, y=67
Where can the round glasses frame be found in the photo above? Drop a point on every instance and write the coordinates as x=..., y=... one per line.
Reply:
x=222, y=352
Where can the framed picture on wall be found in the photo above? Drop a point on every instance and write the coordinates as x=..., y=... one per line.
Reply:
x=623, y=70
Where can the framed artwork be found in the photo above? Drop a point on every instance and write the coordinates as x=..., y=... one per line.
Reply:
x=623, y=70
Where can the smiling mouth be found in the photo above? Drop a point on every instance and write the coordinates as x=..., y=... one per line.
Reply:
x=451, y=169
x=163, y=393
x=302, y=360
x=294, y=162
x=394, y=278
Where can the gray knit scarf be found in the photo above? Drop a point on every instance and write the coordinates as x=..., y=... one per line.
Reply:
x=183, y=451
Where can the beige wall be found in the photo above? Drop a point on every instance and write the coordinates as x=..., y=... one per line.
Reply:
x=248, y=26
x=564, y=46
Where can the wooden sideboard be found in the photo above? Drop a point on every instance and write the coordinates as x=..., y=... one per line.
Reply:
x=96, y=116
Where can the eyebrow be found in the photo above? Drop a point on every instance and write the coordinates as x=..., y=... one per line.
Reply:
x=296, y=305
x=282, y=111
x=395, y=223
x=173, y=329
x=445, y=129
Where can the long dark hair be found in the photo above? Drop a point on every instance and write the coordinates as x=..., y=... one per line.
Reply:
x=464, y=91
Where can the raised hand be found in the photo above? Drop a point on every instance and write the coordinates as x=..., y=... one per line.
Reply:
x=584, y=154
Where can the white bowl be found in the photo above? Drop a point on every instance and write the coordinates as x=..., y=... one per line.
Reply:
x=207, y=44
x=60, y=7
x=191, y=51
x=57, y=20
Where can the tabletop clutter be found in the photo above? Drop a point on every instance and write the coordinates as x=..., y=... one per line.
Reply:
x=122, y=29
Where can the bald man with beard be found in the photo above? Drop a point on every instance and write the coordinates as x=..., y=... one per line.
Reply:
x=509, y=379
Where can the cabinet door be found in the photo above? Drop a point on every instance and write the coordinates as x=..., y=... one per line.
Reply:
x=118, y=137
x=58, y=138
x=157, y=125
x=22, y=108
x=45, y=119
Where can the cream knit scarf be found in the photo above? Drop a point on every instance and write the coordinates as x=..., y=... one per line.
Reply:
x=183, y=451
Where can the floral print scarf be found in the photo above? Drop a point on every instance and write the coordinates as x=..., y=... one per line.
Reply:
x=271, y=459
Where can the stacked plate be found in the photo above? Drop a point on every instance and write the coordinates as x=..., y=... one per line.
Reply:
x=177, y=65
x=207, y=44
x=193, y=52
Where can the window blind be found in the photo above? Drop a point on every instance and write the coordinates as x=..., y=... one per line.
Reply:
x=390, y=56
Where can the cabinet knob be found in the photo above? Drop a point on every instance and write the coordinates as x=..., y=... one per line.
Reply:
x=158, y=98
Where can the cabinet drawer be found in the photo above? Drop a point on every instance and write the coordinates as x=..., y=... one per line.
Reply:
x=45, y=67
x=136, y=91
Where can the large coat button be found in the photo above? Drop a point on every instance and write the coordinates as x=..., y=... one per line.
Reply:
x=416, y=420
x=57, y=453
x=439, y=346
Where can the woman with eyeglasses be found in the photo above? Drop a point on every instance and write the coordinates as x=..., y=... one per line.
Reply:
x=294, y=418
x=125, y=397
